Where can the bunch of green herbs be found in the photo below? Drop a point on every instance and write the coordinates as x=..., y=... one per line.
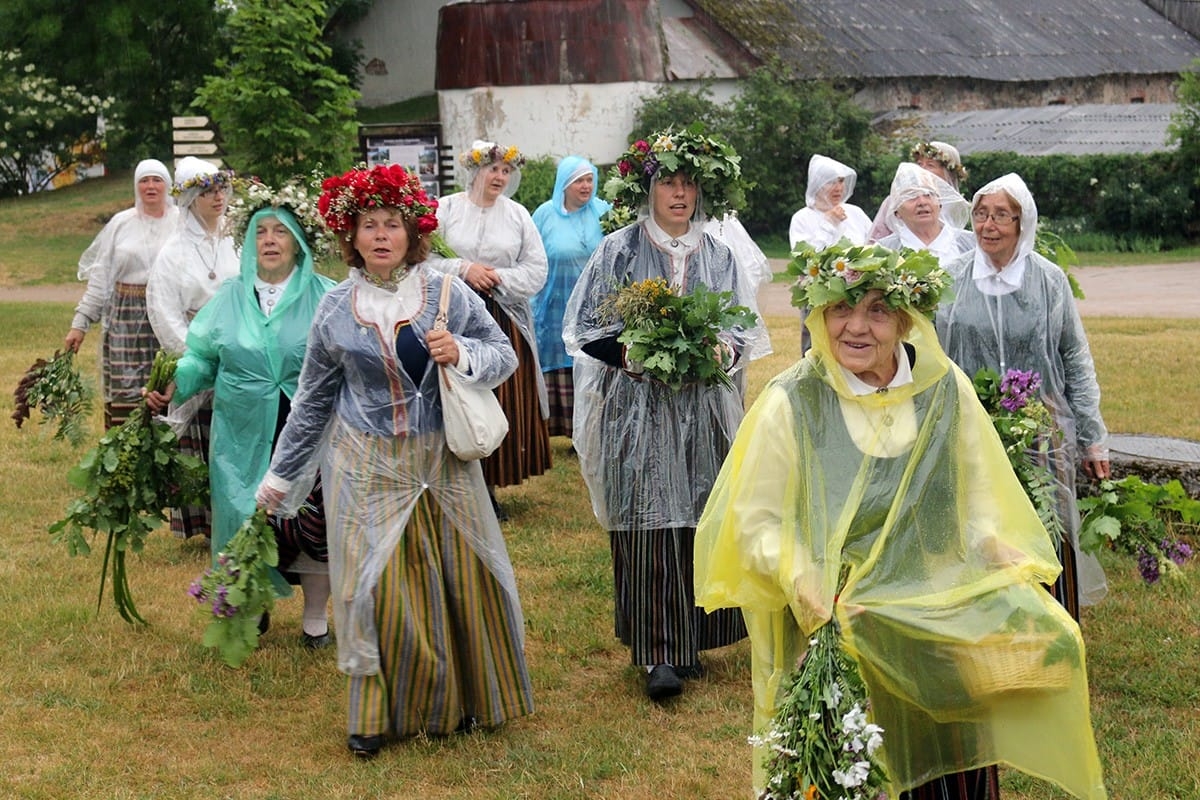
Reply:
x=58, y=391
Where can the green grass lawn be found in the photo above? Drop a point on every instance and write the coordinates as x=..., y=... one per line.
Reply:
x=96, y=708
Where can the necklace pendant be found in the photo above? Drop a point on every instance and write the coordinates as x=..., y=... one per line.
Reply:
x=212, y=276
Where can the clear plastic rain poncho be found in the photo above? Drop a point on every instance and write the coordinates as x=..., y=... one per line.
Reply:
x=570, y=238
x=123, y=253
x=912, y=182
x=376, y=433
x=247, y=358
x=755, y=269
x=812, y=224
x=648, y=453
x=911, y=492
x=1033, y=326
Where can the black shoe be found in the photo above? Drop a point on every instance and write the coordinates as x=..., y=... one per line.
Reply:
x=501, y=514
x=663, y=682
x=316, y=642
x=264, y=623
x=691, y=672
x=364, y=746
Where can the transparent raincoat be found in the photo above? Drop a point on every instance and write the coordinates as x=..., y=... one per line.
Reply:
x=910, y=491
x=376, y=434
x=911, y=182
x=1035, y=327
x=570, y=238
x=812, y=224
x=648, y=453
x=122, y=253
x=247, y=358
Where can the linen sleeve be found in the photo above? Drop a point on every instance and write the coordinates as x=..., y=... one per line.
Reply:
x=527, y=274
x=1080, y=385
x=95, y=266
x=164, y=302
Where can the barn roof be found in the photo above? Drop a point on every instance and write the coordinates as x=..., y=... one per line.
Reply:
x=1005, y=40
x=1045, y=130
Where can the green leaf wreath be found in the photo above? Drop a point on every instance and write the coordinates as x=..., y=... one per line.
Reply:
x=128, y=481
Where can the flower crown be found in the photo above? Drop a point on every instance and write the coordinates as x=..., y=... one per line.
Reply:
x=344, y=197
x=478, y=157
x=252, y=195
x=908, y=278
x=712, y=163
x=926, y=150
x=204, y=182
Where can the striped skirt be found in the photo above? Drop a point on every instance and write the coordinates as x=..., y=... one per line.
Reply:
x=192, y=521
x=126, y=353
x=655, y=610
x=525, y=452
x=974, y=784
x=560, y=387
x=450, y=655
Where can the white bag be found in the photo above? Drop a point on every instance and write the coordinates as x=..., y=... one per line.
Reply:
x=473, y=420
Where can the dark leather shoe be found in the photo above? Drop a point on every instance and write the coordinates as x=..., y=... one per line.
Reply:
x=691, y=672
x=264, y=623
x=662, y=682
x=364, y=746
x=316, y=642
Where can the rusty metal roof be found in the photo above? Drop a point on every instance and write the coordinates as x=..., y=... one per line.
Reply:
x=998, y=40
x=1064, y=130
x=548, y=42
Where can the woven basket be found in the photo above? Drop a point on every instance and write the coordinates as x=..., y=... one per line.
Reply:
x=1007, y=663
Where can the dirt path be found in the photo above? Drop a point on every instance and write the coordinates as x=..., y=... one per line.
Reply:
x=1154, y=290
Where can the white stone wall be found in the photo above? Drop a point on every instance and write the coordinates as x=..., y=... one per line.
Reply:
x=590, y=120
x=399, y=39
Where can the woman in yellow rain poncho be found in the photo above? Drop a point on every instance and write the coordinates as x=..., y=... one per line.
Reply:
x=867, y=485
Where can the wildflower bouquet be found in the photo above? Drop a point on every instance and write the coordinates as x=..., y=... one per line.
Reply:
x=676, y=336
x=616, y=218
x=128, y=481
x=1028, y=432
x=1145, y=520
x=56, y=389
x=819, y=743
x=237, y=591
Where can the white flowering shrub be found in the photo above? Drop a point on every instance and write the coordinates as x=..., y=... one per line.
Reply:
x=45, y=128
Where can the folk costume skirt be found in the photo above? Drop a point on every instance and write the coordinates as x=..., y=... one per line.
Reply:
x=974, y=784
x=449, y=639
x=192, y=521
x=126, y=353
x=655, y=600
x=560, y=389
x=525, y=452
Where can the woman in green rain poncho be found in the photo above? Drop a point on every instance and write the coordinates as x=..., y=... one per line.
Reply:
x=867, y=486
x=247, y=344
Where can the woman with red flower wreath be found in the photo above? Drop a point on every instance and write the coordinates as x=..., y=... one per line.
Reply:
x=429, y=626
x=499, y=253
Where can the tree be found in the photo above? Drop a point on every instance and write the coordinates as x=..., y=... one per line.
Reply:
x=149, y=56
x=281, y=107
x=46, y=129
x=1184, y=129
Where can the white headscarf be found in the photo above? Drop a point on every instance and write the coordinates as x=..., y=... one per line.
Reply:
x=188, y=168
x=151, y=166
x=913, y=181
x=823, y=170
x=1012, y=185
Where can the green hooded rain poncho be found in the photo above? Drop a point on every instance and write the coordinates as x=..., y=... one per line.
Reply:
x=911, y=491
x=248, y=358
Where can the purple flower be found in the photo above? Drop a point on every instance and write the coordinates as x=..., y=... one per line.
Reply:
x=196, y=590
x=1018, y=387
x=1179, y=552
x=1148, y=565
x=650, y=165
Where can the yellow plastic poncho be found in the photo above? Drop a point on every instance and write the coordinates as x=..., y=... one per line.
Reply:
x=910, y=489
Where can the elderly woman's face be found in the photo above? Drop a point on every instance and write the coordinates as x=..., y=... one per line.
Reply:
x=494, y=180
x=997, y=222
x=919, y=212
x=675, y=202
x=152, y=191
x=274, y=245
x=834, y=192
x=864, y=337
x=382, y=240
x=578, y=192
x=936, y=167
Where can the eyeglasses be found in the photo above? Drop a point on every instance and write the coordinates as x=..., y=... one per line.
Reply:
x=1001, y=218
